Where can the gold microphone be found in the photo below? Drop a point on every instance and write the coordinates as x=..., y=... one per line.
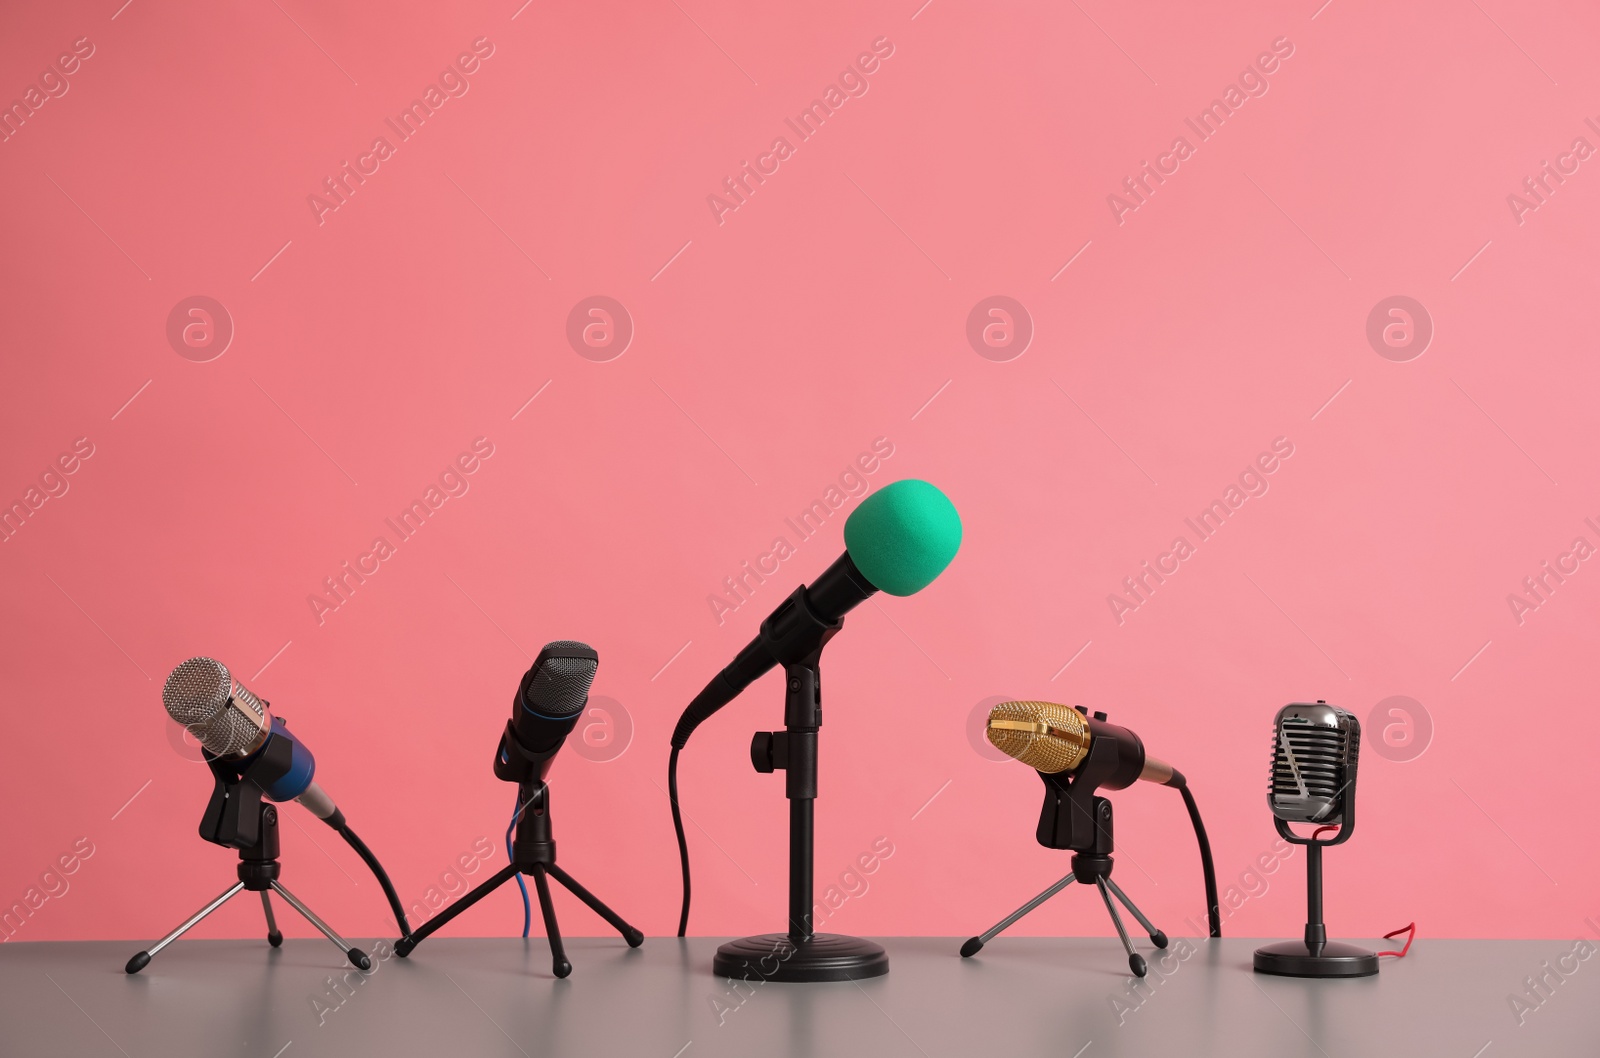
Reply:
x=1053, y=738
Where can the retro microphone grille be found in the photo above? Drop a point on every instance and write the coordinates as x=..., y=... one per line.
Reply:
x=1318, y=755
x=1312, y=764
x=560, y=687
x=197, y=694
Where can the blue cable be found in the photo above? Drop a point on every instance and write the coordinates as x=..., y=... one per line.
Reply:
x=527, y=910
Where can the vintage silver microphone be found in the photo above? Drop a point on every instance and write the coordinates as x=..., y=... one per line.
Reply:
x=1314, y=754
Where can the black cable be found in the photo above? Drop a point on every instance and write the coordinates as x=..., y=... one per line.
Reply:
x=683, y=843
x=365, y=853
x=1213, y=912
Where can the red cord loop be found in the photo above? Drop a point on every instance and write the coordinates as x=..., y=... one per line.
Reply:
x=1411, y=934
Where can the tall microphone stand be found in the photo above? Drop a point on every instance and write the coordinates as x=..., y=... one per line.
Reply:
x=1075, y=818
x=237, y=818
x=533, y=853
x=800, y=953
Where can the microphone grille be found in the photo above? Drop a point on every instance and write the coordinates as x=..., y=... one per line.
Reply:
x=1312, y=763
x=197, y=691
x=559, y=684
x=1043, y=735
x=197, y=695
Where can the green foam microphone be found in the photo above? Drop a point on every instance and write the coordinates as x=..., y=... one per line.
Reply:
x=898, y=540
x=903, y=536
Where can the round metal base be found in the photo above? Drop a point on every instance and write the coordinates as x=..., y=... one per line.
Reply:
x=824, y=957
x=1291, y=958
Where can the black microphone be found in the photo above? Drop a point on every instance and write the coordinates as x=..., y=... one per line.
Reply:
x=550, y=697
x=549, y=700
x=1314, y=756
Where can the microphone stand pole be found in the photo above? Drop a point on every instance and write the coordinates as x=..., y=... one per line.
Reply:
x=1314, y=955
x=802, y=717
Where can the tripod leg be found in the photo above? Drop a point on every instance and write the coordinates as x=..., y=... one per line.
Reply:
x=354, y=954
x=142, y=959
x=404, y=945
x=558, y=953
x=1158, y=938
x=1135, y=960
x=974, y=944
x=274, y=938
x=631, y=935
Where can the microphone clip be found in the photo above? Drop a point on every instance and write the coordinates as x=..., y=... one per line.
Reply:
x=795, y=633
x=232, y=817
x=1074, y=816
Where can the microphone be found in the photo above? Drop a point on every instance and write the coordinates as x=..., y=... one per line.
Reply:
x=235, y=725
x=1314, y=765
x=1314, y=749
x=549, y=700
x=545, y=708
x=1053, y=738
x=898, y=540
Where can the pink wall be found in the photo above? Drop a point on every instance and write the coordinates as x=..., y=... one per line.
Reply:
x=772, y=344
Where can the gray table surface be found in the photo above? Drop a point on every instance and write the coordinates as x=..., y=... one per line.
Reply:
x=1069, y=997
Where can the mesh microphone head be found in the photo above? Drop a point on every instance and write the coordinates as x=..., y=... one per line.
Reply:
x=203, y=696
x=1313, y=763
x=1043, y=735
x=558, y=684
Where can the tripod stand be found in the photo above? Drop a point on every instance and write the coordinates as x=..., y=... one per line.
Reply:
x=1074, y=817
x=237, y=818
x=533, y=852
x=1088, y=867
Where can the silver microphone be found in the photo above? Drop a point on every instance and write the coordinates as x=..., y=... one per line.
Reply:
x=1314, y=751
x=233, y=724
x=1314, y=748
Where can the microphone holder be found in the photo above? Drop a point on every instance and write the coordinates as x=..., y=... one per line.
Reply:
x=533, y=852
x=1315, y=955
x=236, y=817
x=1075, y=818
x=800, y=953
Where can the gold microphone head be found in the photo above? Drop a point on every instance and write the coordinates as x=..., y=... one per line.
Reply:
x=1043, y=735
